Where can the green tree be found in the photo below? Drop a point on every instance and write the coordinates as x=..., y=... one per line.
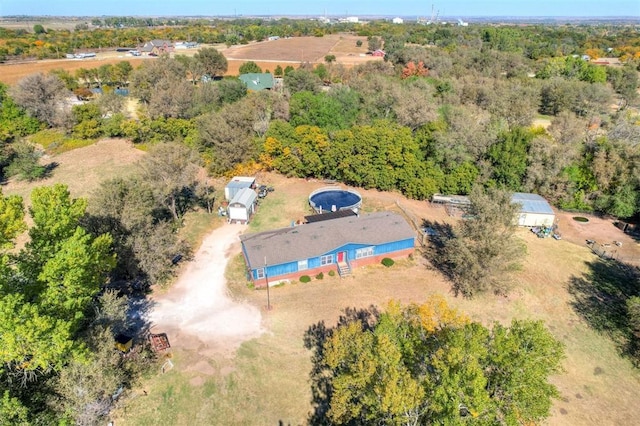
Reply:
x=213, y=62
x=249, y=67
x=484, y=251
x=374, y=43
x=38, y=29
x=302, y=80
x=25, y=164
x=12, y=412
x=428, y=364
x=508, y=157
x=278, y=72
x=11, y=219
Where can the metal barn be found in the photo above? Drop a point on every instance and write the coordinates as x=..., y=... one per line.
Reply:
x=534, y=210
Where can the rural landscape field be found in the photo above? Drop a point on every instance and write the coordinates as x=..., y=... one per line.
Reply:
x=118, y=227
x=267, y=54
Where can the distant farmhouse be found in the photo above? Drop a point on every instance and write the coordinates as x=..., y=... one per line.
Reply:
x=157, y=47
x=337, y=245
x=397, y=20
x=256, y=82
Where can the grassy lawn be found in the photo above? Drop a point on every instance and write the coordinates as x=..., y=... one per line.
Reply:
x=83, y=169
x=267, y=380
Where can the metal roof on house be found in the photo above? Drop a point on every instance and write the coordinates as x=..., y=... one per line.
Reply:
x=239, y=184
x=315, y=239
x=245, y=197
x=531, y=203
x=257, y=81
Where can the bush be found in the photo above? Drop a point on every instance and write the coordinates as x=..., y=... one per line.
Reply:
x=332, y=273
x=320, y=276
x=388, y=262
x=305, y=279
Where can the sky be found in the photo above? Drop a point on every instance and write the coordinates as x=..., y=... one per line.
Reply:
x=406, y=8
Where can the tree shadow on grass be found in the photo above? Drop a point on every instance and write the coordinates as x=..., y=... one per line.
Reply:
x=436, y=235
x=321, y=375
x=49, y=168
x=600, y=297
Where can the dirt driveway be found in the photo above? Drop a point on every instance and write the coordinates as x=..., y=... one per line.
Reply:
x=197, y=311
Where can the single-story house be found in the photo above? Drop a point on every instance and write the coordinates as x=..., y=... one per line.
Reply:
x=334, y=245
x=534, y=210
x=242, y=206
x=157, y=47
x=236, y=184
x=397, y=20
x=378, y=53
x=257, y=81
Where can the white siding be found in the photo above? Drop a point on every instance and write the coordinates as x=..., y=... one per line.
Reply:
x=535, y=219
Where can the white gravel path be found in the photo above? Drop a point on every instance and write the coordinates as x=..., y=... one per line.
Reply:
x=198, y=304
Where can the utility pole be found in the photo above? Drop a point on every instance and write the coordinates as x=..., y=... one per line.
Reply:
x=266, y=278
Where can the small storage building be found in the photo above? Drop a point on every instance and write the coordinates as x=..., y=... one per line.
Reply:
x=242, y=206
x=534, y=210
x=236, y=184
x=333, y=245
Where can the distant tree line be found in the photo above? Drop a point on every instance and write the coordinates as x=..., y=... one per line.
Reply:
x=428, y=120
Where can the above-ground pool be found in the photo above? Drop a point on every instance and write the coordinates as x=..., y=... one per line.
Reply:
x=332, y=199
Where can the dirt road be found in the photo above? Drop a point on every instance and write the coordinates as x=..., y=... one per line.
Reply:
x=197, y=310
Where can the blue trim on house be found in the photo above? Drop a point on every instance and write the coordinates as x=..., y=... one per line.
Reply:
x=275, y=271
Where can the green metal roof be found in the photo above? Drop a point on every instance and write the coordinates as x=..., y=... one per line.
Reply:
x=256, y=81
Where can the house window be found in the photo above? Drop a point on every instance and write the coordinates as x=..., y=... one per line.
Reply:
x=302, y=265
x=364, y=252
x=260, y=274
x=326, y=260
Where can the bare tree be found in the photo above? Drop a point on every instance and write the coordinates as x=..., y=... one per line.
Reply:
x=42, y=96
x=415, y=106
x=171, y=98
x=171, y=170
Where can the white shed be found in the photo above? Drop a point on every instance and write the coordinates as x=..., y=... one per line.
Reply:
x=242, y=206
x=534, y=210
x=236, y=184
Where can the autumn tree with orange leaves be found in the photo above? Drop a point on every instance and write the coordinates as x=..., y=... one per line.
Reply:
x=412, y=69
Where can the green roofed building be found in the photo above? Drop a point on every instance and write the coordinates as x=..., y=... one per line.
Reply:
x=257, y=81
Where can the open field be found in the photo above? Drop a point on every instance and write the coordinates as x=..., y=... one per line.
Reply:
x=83, y=169
x=267, y=54
x=266, y=380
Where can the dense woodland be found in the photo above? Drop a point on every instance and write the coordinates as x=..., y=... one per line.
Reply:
x=451, y=110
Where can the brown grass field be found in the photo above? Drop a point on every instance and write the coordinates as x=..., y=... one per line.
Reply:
x=266, y=380
x=267, y=54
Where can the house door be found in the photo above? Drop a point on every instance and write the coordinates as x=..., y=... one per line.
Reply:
x=342, y=256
